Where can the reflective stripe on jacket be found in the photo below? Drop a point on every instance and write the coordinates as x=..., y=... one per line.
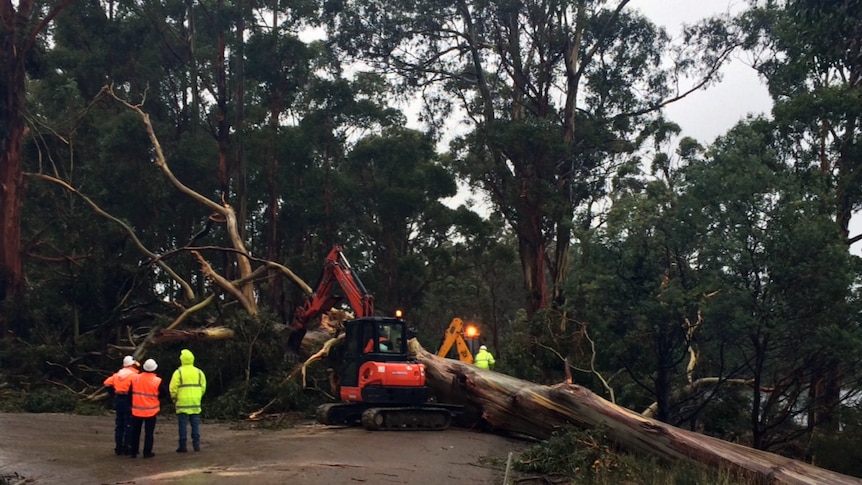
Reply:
x=145, y=395
x=188, y=385
x=121, y=380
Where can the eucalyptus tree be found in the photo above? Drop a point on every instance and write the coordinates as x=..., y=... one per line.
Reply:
x=391, y=187
x=644, y=292
x=307, y=207
x=148, y=52
x=556, y=94
x=74, y=136
x=809, y=54
x=783, y=277
x=23, y=27
x=723, y=270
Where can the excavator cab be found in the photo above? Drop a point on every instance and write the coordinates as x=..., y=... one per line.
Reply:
x=377, y=367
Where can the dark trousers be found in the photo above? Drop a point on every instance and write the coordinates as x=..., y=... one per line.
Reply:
x=122, y=423
x=149, y=425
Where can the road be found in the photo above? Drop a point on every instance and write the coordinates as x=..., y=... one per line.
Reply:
x=70, y=449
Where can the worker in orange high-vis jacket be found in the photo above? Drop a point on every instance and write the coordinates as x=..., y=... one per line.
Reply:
x=118, y=385
x=147, y=390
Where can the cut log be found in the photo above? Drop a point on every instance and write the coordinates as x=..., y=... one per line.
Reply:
x=209, y=333
x=517, y=406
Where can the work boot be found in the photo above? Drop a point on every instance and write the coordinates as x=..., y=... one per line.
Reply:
x=181, y=450
x=149, y=455
x=197, y=448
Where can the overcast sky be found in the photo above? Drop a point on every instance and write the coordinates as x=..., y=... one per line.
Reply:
x=713, y=111
x=708, y=113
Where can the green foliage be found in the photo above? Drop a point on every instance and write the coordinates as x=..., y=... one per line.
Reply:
x=573, y=453
x=44, y=400
x=12, y=401
x=534, y=348
x=722, y=417
x=241, y=399
x=842, y=451
x=27, y=366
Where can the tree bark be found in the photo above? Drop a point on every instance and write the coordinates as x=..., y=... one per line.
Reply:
x=12, y=91
x=21, y=24
x=509, y=404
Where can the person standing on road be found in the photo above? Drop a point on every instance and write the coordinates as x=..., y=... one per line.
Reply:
x=118, y=386
x=147, y=391
x=187, y=388
x=484, y=359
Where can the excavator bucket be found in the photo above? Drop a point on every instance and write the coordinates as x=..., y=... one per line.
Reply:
x=293, y=343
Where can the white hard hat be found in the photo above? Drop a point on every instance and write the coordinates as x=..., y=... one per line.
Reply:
x=128, y=360
x=150, y=365
x=483, y=348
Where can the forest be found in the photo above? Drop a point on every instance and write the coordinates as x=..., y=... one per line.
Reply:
x=180, y=165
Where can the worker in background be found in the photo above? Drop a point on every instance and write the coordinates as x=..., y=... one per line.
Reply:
x=187, y=388
x=484, y=359
x=147, y=390
x=118, y=386
x=383, y=343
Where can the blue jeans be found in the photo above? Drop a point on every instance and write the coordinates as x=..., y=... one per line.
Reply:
x=183, y=421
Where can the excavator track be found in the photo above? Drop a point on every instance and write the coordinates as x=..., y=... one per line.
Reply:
x=399, y=418
x=406, y=419
x=338, y=414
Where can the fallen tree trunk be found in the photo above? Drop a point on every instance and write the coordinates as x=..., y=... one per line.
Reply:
x=514, y=405
x=209, y=333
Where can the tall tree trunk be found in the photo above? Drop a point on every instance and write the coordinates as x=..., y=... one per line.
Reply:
x=193, y=69
x=12, y=130
x=11, y=176
x=17, y=37
x=531, y=247
x=760, y=345
x=222, y=124
x=826, y=382
x=276, y=287
x=223, y=128
x=239, y=123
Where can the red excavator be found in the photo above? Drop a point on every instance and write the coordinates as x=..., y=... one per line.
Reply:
x=381, y=385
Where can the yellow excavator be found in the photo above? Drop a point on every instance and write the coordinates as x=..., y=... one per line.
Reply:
x=464, y=338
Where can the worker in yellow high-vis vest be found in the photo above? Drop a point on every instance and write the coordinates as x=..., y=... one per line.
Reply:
x=187, y=388
x=484, y=359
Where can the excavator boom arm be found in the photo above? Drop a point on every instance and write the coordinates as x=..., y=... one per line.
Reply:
x=336, y=271
x=455, y=336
